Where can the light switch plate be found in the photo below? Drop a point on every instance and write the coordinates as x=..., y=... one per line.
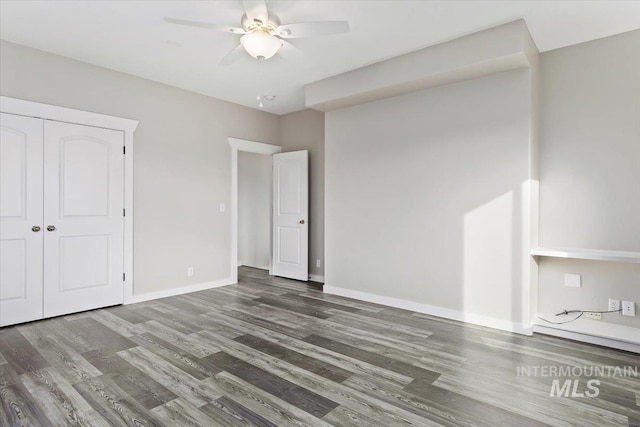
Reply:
x=572, y=280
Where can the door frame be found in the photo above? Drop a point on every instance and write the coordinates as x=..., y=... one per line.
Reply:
x=236, y=145
x=38, y=110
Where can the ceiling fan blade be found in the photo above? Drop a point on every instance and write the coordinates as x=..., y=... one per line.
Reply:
x=311, y=29
x=290, y=52
x=207, y=25
x=256, y=9
x=232, y=56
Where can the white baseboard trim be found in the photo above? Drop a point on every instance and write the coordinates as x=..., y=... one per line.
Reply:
x=179, y=291
x=446, y=313
x=316, y=278
x=622, y=337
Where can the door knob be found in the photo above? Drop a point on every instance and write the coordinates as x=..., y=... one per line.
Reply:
x=51, y=227
x=302, y=221
x=35, y=228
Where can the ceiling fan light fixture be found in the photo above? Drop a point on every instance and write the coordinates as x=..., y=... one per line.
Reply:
x=260, y=44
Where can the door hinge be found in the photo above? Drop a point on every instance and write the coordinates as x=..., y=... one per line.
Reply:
x=124, y=277
x=124, y=150
x=124, y=212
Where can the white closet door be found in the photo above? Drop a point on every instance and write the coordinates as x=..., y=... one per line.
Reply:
x=20, y=219
x=83, y=218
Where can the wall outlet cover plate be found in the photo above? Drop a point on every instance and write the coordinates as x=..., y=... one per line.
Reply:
x=628, y=308
x=614, y=304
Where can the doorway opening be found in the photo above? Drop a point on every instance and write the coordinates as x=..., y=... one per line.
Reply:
x=241, y=155
x=254, y=210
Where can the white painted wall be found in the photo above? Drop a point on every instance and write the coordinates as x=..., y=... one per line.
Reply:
x=590, y=170
x=254, y=209
x=182, y=158
x=424, y=197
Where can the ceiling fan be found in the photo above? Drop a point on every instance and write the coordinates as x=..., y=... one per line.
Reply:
x=262, y=33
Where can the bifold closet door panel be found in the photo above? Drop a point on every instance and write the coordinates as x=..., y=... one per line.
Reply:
x=20, y=219
x=83, y=218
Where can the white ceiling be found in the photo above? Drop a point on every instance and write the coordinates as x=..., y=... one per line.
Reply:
x=131, y=36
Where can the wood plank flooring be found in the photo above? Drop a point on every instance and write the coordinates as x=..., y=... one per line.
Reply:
x=275, y=352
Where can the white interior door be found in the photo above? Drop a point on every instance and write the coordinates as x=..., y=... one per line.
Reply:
x=83, y=218
x=20, y=219
x=291, y=215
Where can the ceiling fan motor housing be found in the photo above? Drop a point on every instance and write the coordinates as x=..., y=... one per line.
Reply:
x=273, y=22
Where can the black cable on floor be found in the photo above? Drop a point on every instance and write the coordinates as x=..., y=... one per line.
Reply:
x=561, y=323
x=565, y=312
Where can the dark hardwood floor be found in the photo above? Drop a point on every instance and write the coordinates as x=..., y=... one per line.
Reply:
x=271, y=351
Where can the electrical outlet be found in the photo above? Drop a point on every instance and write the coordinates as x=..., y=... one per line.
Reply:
x=628, y=308
x=594, y=316
x=317, y=263
x=189, y=271
x=614, y=305
x=572, y=280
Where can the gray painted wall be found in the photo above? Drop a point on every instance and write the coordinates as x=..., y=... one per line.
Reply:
x=304, y=130
x=182, y=158
x=424, y=196
x=590, y=171
x=464, y=137
x=254, y=209
x=590, y=145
